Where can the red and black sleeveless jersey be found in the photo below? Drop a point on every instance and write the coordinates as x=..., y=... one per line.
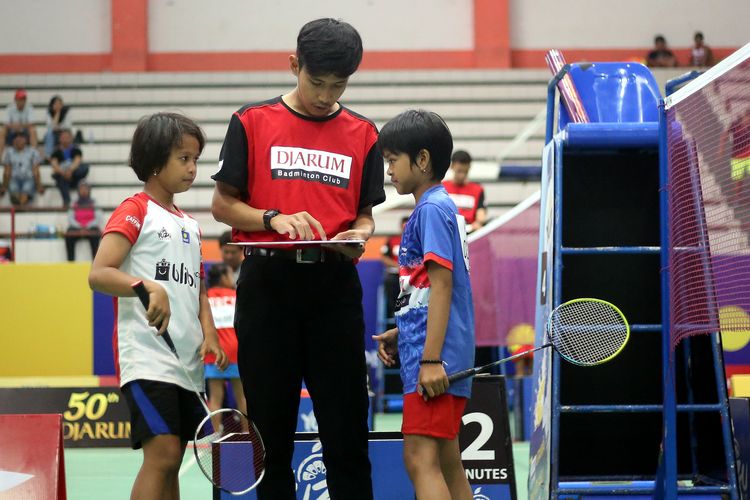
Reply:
x=468, y=198
x=329, y=167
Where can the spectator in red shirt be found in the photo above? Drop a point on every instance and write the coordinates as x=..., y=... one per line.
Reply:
x=222, y=297
x=84, y=222
x=468, y=196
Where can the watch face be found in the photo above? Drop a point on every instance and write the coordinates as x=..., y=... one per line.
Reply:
x=267, y=216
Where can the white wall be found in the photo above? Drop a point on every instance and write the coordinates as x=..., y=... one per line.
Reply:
x=55, y=27
x=272, y=25
x=537, y=24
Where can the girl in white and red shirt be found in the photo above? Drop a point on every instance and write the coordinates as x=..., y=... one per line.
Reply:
x=149, y=239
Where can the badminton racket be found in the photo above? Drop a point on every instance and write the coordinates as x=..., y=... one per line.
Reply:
x=585, y=332
x=228, y=448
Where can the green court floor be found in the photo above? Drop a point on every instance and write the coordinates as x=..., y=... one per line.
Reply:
x=98, y=473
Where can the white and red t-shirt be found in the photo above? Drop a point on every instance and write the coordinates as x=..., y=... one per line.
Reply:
x=468, y=198
x=329, y=167
x=222, y=301
x=166, y=249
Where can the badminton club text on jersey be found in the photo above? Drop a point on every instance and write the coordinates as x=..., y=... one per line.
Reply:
x=278, y=158
x=166, y=249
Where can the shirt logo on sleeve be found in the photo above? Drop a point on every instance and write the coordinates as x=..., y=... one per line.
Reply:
x=311, y=165
x=134, y=221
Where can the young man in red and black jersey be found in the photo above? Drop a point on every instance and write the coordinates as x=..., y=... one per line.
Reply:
x=468, y=196
x=301, y=167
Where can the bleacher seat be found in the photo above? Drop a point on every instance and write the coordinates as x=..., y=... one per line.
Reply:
x=485, y=109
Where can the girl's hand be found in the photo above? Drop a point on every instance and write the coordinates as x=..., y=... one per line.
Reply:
x=158, y=312
x=433, y=381
x=387, y=346
x=211, y=346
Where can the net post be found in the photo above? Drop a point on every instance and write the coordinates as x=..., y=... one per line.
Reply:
x=667, y=490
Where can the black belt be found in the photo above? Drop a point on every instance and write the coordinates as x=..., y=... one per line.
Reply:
x=310, y=255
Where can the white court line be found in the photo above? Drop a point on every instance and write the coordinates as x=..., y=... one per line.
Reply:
x=187, y=465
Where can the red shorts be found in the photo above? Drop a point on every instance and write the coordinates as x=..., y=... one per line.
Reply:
x=438, y=417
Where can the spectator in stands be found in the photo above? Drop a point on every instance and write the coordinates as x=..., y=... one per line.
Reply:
x=661, y=56
x=6, y=254
x=222, y=297
x=739, y=134
x=468, y=196
x=58, y=119
x=231, y=255
x=701, y=55
x=67, y=165
x=84, y=222
x=21, y=176
x=391, y=285
x=19, y=116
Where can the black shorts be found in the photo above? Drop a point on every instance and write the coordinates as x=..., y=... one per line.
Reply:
x=161, y=408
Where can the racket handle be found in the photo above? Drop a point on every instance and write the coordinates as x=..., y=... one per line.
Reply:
x=461, y=375
x=140, y=290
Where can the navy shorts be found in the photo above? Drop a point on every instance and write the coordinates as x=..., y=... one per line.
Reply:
x=161, y=408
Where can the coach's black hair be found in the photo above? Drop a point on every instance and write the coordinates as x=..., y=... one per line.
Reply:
x=415, y=130
x=215, y=272
x=660, y=38
x=461, y=156
x=329, y=47
x=154, y=138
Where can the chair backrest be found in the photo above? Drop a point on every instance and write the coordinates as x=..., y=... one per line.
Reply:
x=616, y=92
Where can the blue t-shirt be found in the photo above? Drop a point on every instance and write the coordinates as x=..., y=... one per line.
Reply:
x=435, y=231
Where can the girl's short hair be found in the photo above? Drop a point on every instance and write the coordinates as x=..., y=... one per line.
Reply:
x=154, y=138
x=415, y=130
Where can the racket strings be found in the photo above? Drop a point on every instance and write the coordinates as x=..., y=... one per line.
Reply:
x=229, y=451
x=588, y=332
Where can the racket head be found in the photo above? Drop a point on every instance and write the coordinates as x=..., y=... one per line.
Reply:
x=588, y=331
x=231, y=456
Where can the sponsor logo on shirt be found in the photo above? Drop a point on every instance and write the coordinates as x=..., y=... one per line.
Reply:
x=166, y=271
x=164, y=235
x=185, y=236
x=311, y=165
x=464, y=201
x=134, y=221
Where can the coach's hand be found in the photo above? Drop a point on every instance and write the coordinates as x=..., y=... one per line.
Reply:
x=433, y=381
x=299, y=226
x=351, y=250
x=158, y=312
x=387, y=346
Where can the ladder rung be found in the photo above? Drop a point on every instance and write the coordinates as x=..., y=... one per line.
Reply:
x=636, y=408
x=610, y=250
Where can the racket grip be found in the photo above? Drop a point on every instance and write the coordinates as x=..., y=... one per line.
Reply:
x=461, y=375
x=140, y=290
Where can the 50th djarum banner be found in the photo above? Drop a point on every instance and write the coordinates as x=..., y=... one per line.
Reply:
x=92, y=416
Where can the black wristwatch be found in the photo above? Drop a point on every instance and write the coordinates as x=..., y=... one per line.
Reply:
x=267, y=216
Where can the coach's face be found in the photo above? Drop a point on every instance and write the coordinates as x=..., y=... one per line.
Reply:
x=316, y=95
